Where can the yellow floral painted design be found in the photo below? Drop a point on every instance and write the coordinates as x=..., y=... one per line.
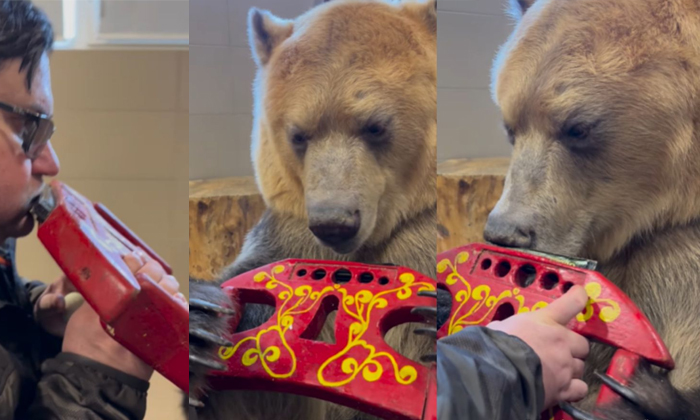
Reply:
x=481, y=296
x=358, y=306
x=285, y=319
x=607, y=314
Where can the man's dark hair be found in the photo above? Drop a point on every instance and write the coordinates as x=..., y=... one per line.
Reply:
x=26, y=33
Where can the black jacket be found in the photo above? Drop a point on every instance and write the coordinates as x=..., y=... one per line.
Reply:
x=488, y=375
x=37, y=381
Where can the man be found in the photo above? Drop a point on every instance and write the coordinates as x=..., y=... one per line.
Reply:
x=93, y=377
x=516, y=368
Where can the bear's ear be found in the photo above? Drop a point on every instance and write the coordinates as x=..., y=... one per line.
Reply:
x=265, y=32
x=518, y=8
x=426, y=12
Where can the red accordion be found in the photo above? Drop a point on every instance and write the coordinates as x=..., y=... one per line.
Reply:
x=88, y=243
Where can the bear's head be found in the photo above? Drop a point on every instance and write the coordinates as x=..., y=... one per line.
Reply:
x=345, y=116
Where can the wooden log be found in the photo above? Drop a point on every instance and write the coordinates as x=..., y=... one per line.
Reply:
x=222, y=211
x=468, y=189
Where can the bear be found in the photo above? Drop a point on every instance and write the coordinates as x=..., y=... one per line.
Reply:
x=601, y=102
x=344, y=147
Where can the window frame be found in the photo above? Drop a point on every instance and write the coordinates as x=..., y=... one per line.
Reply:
x=81, y=31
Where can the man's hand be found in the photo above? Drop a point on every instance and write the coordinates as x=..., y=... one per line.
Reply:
x=84, y=334
x=50, y=308
x=560, y=350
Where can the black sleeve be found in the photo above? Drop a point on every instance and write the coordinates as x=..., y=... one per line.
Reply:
x=488, y=375
x=34, y=289
x=76, y=388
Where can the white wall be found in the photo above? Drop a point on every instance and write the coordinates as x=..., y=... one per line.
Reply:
x=469, y=34
x=221, y=78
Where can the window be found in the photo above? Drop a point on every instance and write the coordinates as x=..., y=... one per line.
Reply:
x=84, y=24
x=154, y=21
x=54, y=10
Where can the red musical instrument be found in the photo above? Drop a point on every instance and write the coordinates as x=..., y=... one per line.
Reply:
x=88, y=243
x=489, y=283
x=358, y=370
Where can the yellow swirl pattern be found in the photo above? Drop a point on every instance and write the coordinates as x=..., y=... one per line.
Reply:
x=606, y=314
x=285, y=320
x=358, y=306
x=481, y=296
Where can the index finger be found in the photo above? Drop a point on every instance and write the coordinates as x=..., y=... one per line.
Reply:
x=566, y=307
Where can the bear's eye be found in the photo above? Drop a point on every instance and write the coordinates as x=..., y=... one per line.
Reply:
x=298, y=138
x=374, y=130
x=377, y=130
x=577, y=131
x=581, y=136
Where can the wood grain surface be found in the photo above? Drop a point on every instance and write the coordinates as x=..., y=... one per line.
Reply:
x=467, y=192
x=222, y=211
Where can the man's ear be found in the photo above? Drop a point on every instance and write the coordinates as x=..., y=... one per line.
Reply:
x=265, y=33
x=518, y=8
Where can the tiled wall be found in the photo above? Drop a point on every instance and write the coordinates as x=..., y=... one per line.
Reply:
x=122, y=133
x=469, y=34
x=221, y=78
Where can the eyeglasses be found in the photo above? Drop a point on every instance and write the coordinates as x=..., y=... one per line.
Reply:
x=37, y=131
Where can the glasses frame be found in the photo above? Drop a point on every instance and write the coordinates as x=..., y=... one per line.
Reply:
x=31, y=146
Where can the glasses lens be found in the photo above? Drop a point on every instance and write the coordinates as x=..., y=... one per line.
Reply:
x=37, y=134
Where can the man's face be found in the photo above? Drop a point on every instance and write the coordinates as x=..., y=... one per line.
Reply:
x=20, y=177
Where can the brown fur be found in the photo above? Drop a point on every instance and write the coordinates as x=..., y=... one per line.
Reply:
x=342, y=66
x=327, y=75
x=627, y=73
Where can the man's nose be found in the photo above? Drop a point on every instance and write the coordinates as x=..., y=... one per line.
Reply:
x=46, y=164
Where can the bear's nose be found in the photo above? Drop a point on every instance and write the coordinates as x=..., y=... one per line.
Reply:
x=509, y=230
x=334, y=226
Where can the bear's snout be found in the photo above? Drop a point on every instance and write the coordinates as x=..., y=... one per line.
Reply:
x=334, y=226
x=510, y=230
